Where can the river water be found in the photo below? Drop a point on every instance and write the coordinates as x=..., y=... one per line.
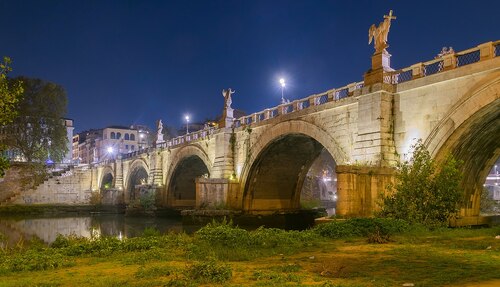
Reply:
x=47, y=229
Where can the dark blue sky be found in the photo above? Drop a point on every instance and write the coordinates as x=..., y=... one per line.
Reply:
x=133, y=62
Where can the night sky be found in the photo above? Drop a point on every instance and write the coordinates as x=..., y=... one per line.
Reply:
x=133, y=62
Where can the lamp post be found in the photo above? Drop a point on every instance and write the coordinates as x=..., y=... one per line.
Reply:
x=282, y=83
x=110, y=151
x=187, y=124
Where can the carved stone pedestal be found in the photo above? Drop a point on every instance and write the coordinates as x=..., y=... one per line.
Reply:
x=381, y=63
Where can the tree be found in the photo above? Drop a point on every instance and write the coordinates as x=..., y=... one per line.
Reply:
x=10, y=94
x=37, y=131
x=425, y=191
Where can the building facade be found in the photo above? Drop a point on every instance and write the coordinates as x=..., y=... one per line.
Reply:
x=102, y=144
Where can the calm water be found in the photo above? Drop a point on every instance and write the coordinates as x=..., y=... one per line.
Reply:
x=118, y=225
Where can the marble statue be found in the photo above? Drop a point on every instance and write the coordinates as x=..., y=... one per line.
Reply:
x=159, y=133
x=379, y=34
x=227, y=97
x=160, y=127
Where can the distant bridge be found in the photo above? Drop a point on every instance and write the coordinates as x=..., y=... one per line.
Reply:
x=260, y=163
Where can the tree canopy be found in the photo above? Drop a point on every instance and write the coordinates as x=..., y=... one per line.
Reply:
x=10, y=94
x=37, y=131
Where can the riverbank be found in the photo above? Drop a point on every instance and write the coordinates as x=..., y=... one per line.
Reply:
x=335, y=254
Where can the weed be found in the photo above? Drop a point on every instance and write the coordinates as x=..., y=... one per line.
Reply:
x=361, y=227
x=210, y=271
x=154, y=272
x=32, y=260
x=275, y=277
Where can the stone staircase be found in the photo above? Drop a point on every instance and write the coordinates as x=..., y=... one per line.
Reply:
x=61, y=187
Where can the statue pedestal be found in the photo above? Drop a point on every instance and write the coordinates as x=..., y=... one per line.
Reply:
x=159, y=139
x=227, y=118
x=381, y=63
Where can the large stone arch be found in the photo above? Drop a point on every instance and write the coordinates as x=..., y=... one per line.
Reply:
x=297, y=131
x=138, y=173
x=187, y=163
x=471, y=132
x=107, y=174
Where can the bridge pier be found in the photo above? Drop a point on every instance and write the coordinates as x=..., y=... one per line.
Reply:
x=217, y=193
x=223, y=166
x=359, y=188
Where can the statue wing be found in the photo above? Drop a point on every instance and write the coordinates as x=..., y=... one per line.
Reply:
x=224, y=93
x=371, y=33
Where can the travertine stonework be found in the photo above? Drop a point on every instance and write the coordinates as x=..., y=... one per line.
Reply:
x=262, y=164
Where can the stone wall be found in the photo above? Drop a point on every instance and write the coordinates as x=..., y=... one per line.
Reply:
x=73, y=187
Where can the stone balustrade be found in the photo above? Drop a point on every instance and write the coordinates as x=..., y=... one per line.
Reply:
x=447, y=62
x=298, y=105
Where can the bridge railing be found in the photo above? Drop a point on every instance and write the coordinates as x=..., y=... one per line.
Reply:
x=444, y=63
x=190, y=137
x=298, y=105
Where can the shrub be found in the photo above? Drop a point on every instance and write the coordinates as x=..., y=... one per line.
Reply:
x=224, y=233
x=210, y=271
x=488, y=204
x=425, y=191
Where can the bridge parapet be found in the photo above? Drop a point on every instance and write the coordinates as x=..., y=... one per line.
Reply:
x=298, y=105
x=447, y=62
x=187, y=138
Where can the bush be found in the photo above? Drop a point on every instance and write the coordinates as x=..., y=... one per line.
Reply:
x=224, y=233
x=210, y=271
x=425, y=192
x=488, y=205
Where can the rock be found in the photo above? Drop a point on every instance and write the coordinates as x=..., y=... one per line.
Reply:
x=312, y=257
x=408, y=284
x=488, y=248
x=497, y=237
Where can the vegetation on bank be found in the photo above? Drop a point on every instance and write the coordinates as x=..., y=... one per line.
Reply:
x=340, y=253
x=426, y=191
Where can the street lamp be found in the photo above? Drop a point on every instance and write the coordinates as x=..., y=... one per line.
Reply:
x=110, y=151
x=187, y=124
x=282, y=83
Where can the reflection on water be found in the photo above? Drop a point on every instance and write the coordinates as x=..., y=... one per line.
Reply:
x=118, y=225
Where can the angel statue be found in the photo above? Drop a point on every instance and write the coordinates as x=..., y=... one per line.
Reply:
x=227, y=97
x=379, y=34
x=160, y=127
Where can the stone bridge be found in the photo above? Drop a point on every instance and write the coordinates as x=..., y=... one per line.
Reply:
x=259, y=163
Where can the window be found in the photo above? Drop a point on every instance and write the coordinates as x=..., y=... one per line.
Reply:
x=132, y=137
x=132, y=147
x=112, y=136
x=126, y=146
x=118, y=136
x=126, y=137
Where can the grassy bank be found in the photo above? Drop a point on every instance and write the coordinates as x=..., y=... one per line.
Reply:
x=359, y=252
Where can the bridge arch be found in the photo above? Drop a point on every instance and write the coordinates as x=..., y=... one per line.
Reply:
x=107, y=178
x=279, y=161
x=187, y=164
x=137, y=175
x=471, y=132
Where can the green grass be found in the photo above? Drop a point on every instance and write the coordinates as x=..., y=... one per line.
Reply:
x=224, y=254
